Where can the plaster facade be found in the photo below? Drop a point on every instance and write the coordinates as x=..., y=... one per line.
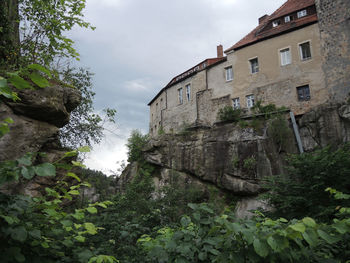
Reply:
x=276, y=83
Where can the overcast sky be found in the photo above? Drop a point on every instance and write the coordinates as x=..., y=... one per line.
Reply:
x=140, y=45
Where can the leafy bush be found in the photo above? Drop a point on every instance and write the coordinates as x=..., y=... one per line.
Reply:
x=227, y=113
x=205, y=237
x=42, y=229
x=301, y=191
x=135, y=144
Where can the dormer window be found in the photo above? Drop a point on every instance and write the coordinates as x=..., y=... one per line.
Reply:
x=287, y=19
x=302, y=13
x=276, y=23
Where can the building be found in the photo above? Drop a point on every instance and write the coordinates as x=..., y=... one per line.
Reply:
x=279, y=62
x=176, y=105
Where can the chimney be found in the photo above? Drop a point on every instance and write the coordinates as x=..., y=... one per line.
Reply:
x=262, y=19
x=220, y=51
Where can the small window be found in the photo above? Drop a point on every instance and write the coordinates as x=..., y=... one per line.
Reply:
x=229, y=73
x=285, y=56
x=250, y=101
x=305, y=51
x=254, y=65
x=180, y=95
x=188, y=92
x=287, y=19
x=302, y=13
x=303, y=93
x=235, y=103
x=276, y=23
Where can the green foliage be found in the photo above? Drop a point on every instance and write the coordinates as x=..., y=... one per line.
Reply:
x=249, y=164
x=301, y=192
x=85, y=127
x=227, y=113
x=41, y=229
x=205, y=237
x=280, y=132
x=161, y=130
x=267, y=110
x=135, y=144
x=43, y=26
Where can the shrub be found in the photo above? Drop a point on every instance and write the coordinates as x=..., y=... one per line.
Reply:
x=227, y=113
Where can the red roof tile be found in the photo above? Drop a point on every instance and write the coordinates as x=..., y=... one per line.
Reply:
x=262, y=31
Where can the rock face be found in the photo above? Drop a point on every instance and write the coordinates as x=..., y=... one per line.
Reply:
x=37, y=118
x=227, y=156
x=236, y=159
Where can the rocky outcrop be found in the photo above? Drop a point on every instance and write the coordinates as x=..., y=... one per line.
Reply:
x=226, y=155
x=236, y=159
x=37, y=118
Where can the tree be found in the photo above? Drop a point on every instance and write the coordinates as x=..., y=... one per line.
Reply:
x=301, y=192
x=85, y=127
x=41, y=25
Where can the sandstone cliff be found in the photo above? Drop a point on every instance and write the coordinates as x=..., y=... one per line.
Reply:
x=37, y=118
x=237, y=159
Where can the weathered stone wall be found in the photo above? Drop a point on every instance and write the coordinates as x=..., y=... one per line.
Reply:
x=334, y=23
x=236, y=159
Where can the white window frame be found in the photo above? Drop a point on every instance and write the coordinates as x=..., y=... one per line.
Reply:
x=285, y=55
x=236, y=104
x=257, y=68
x=301, y=51
x=229, y=73
x=302, y=13
x=188, y=91
x=287, y=19
x=250, y=100
x=180, y=95
x=276, y=23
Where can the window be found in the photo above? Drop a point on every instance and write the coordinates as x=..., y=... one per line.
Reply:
x=254, y=65
x=303, y=93
x=250, y=101
x=287, y=19
x=229, y=73
x=188, y=92
x=302, y=13
x=276, y=23
x=305, y=51
x=285, y=56
x=180, y=95
x=235, y=103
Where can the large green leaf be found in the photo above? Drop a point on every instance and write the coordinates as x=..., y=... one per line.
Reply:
x=327, y=237
x=40, y=68
x=39, y=80
x=90, y=228
x=19, y=233
x=45, y=169
x=19, y=82
x=299, y=227
x=92, y=210
x=261, y=248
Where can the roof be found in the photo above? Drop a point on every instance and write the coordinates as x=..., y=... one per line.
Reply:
x=205, y=64
x=263, y=31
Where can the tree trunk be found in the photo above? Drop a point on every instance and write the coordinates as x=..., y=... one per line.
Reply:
x=9, y=33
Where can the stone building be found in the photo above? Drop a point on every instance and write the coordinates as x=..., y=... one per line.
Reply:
x=281, y=62
x=176, y=105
